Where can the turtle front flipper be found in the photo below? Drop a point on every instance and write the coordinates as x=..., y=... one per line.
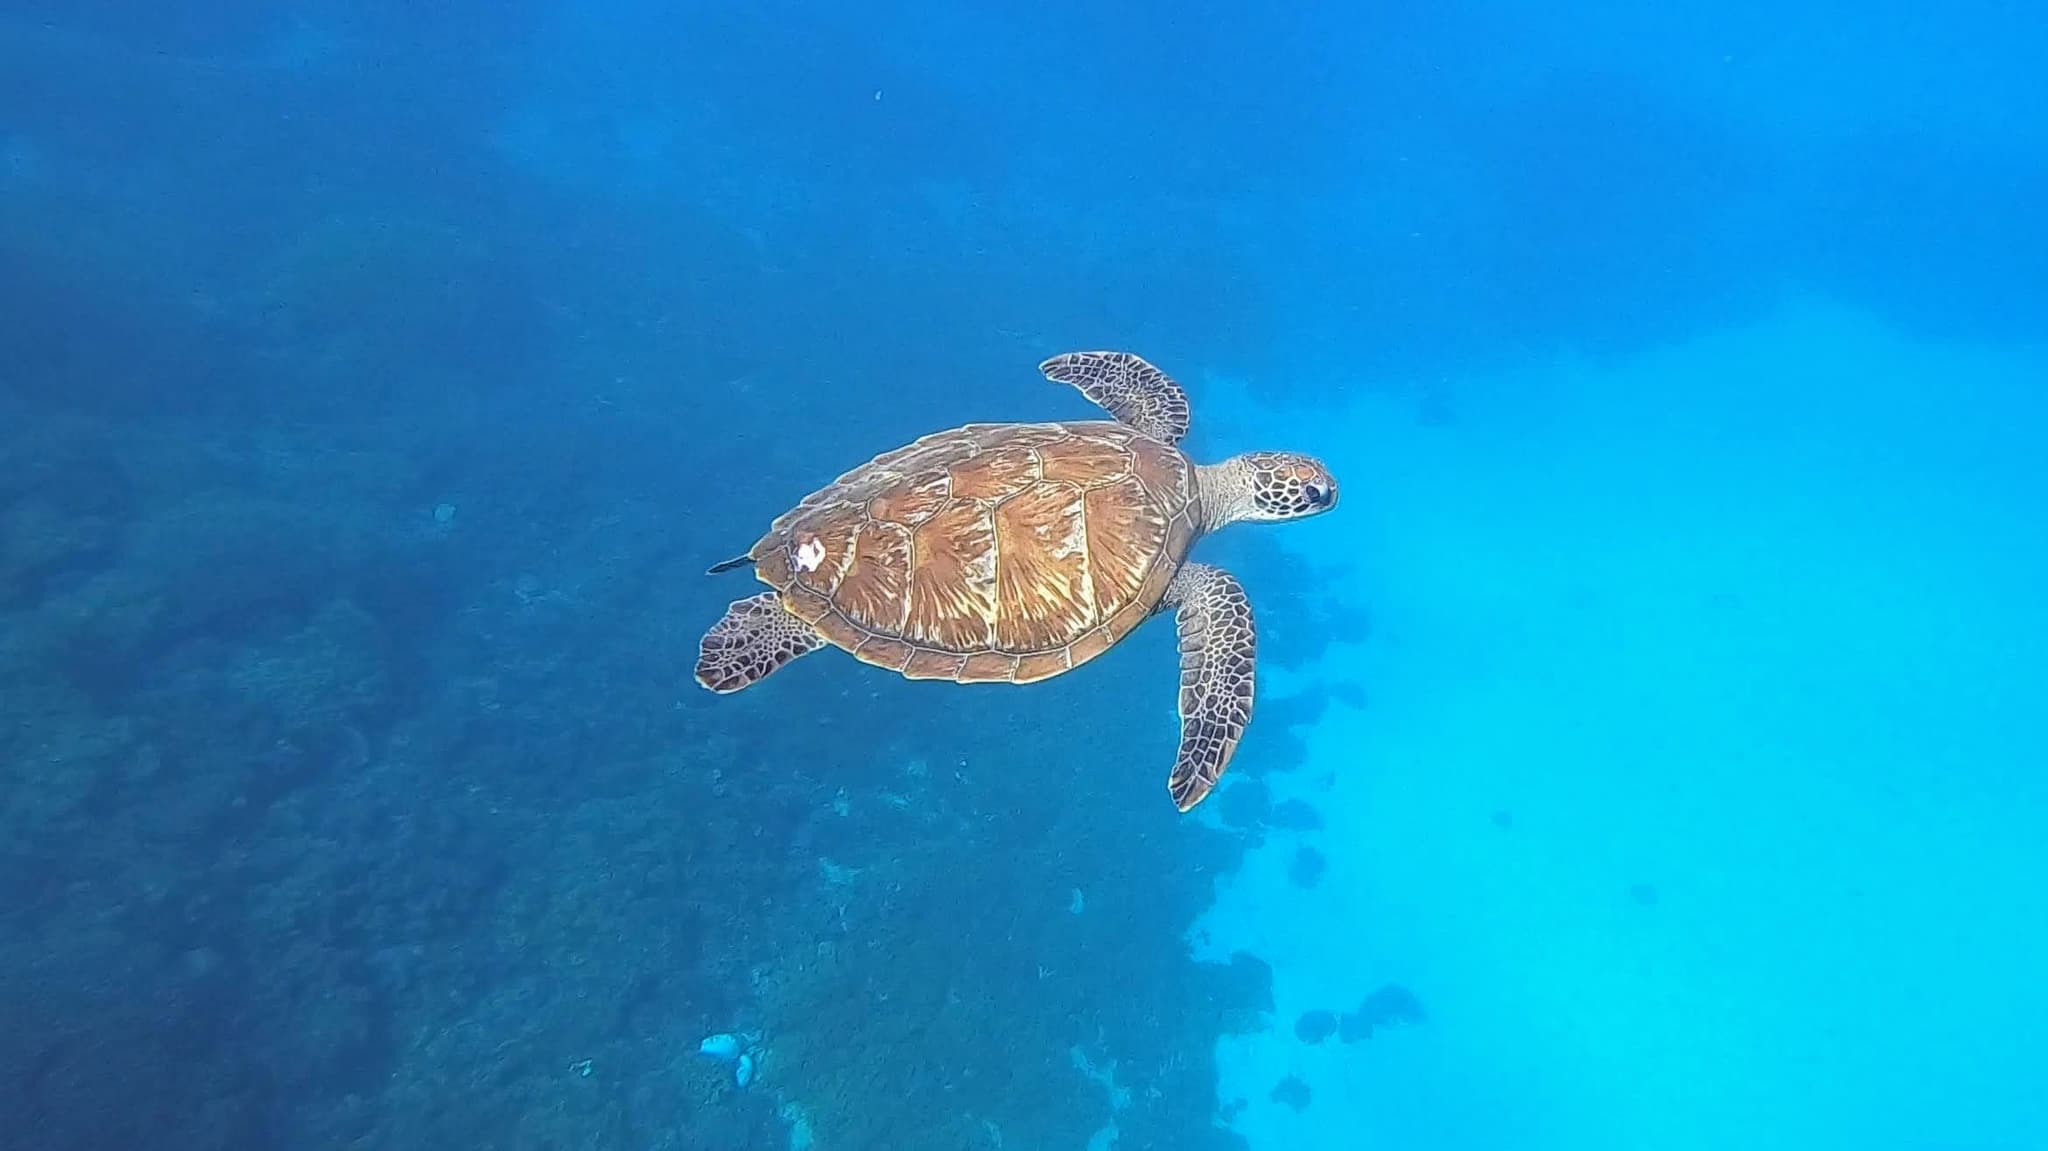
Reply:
x=755, y=637
x=1218, y=657
x=1127, y=387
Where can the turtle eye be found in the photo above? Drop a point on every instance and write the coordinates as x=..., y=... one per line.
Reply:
x=1317, y=494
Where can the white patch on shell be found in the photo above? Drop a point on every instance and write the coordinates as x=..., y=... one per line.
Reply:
x=810, y=552
x=1075, y=541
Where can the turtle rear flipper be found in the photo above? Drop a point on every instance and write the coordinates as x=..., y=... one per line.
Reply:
x=1218, y=663
x=1136, y=393
x=754, y=638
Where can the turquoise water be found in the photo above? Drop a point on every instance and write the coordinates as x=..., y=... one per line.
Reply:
x=1648, y=749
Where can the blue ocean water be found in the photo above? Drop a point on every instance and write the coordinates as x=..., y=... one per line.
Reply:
x=1650, y=750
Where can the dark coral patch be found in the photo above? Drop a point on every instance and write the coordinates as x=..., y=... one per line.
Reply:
x=1291, y=1091
x=1390, y=1006
x=1315, y=1026
x=1308, y=867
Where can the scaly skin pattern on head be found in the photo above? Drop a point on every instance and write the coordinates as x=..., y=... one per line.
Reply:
x=1264, y=487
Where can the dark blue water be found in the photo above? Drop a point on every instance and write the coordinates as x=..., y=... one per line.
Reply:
x=1649, y=751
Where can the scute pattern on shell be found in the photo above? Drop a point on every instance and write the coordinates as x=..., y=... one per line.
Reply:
x=988, y=552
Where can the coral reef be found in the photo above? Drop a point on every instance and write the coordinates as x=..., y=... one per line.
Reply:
x=335, y=820
x=357, y=475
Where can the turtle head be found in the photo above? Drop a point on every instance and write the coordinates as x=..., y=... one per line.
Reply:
x=1266, y=486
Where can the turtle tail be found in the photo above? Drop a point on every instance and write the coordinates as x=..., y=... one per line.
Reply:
x=728, y=565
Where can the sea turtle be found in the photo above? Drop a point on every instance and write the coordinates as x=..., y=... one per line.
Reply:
x=1008, y=553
